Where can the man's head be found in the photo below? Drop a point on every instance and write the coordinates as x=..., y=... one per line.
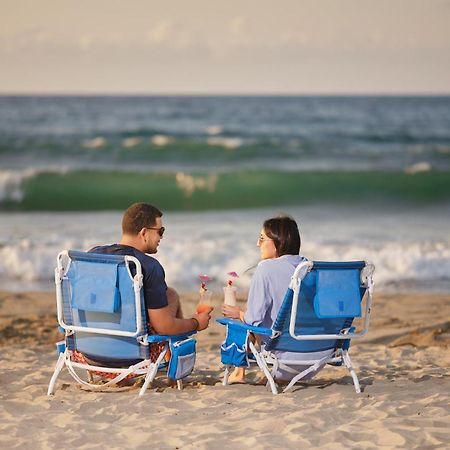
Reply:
x=142, y=227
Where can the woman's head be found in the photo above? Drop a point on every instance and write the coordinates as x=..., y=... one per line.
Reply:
x=279, y=236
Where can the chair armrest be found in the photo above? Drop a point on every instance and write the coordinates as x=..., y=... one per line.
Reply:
x=238, y=324
x=175, y=337
x=346, y=342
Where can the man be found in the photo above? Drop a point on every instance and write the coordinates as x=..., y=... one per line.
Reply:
x=142, y=230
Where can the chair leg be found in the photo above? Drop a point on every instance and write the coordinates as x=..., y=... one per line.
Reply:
x=148, y=378
x=263, y=366
x=226, y=375
x=348, y=364
x=58, y=368
x=152, y=371
x=180, y=385
x=316, y=366
x=270, y=380
x=299, y=376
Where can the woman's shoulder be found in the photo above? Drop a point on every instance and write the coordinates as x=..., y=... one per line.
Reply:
x=275, y=264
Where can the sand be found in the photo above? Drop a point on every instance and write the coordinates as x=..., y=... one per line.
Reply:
x=403, y=365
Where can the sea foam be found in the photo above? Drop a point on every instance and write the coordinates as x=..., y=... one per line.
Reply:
x=11, y=181
x=95, y=143
x=27, y=261
x=220, y=242
x=226, y=142
x=189, y=183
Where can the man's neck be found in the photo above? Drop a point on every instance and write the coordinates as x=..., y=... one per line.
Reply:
x=131, y=241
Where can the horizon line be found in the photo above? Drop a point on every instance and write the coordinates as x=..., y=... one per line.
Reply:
x=224, y=94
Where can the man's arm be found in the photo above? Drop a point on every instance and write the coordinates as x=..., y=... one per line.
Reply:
x=163, y=321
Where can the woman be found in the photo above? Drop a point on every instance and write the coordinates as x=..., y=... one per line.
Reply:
x=279, y=244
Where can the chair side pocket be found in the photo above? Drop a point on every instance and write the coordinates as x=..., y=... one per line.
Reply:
x=182, y=359
x=233, y=351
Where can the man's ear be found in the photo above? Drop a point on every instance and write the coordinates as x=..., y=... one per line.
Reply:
x=142, y=233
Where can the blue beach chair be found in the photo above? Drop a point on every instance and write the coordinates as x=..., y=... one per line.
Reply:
x=317, y=313
x=101, y=310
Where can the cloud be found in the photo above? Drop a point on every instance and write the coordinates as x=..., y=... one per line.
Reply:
x=172, y=35
x=27, y=39
x=161, y=32
x=85, y=42
x=237, y=25
x=293, y=38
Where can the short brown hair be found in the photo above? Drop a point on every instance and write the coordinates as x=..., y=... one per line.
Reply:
x=283, y=230
x=138, y=216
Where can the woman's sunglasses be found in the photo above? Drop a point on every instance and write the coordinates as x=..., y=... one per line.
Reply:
x=263, y=239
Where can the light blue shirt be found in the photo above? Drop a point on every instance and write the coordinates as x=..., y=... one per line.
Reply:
x=268, y=288
x=265, y=297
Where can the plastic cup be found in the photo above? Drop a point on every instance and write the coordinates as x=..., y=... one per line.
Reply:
x=204, y=302
x=229, y=295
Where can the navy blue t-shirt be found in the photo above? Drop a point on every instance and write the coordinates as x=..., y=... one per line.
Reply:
x=154, y=283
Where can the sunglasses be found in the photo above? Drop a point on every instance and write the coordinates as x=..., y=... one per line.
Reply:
x=263, y=239
x=159, y=230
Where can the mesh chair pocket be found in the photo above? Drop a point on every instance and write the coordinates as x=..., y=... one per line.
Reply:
x=337, y=294
x=94, y=286
x=182, y=359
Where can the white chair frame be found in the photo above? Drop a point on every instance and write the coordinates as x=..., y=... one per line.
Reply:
x=143, y=368
x=265, y=358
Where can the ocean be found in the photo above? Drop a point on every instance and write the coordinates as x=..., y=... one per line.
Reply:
x=366, y=178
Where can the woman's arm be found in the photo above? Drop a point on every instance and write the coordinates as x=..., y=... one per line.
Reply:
x=258, y=302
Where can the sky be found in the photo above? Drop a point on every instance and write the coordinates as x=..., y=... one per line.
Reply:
x=225, y=47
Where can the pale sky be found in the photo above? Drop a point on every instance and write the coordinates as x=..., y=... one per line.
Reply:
x=225, y=47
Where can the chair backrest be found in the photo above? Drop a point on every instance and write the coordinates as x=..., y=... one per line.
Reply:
x=329, y=299
x=101, y=301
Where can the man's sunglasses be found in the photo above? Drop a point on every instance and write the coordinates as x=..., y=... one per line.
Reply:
x=159, y=230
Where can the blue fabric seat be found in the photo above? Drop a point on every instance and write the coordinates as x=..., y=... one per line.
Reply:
x=102, y=311
x=316, y=315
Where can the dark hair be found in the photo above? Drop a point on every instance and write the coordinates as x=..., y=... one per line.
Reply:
x=138, y=216
x=284, y=232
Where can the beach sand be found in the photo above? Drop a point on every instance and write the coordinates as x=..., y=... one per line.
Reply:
x=403, y=365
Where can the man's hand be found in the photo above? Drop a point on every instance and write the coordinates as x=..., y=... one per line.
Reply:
x=203, y=318
x=164, y=322
x=233, y=312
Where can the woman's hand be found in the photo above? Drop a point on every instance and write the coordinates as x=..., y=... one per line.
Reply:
x=233, y=312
